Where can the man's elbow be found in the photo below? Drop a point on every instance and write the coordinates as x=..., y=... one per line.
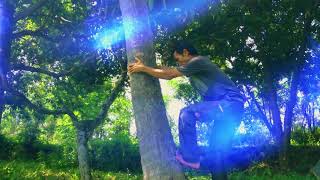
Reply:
x=172, y=74
x=169, y=77
x=166, y=77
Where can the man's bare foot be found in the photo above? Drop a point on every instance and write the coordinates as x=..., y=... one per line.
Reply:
x=180, y=159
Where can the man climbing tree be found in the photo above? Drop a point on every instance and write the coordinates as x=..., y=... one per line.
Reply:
x=221, y=102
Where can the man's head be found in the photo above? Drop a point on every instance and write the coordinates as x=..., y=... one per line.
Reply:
x=183, y=52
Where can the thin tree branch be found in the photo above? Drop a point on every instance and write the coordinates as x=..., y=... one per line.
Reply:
x=37, y=33
x=22, y=67
x=108, y=102
x=30, y=10
x=20, y=99
x=43, y=33
x=27, y=32
x=24, y=101
x=262, y=114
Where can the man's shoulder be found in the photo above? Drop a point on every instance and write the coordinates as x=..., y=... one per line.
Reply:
x=203, y=61
x=200, y=58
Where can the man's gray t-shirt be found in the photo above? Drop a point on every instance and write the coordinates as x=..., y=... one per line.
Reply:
x=208, y=80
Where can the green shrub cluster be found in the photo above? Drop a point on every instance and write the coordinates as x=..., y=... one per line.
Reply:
x=301, y=136
x=118, y=153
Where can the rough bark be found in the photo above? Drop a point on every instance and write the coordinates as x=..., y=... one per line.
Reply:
x=156, y=145
x=6, y=18
x=83, y=155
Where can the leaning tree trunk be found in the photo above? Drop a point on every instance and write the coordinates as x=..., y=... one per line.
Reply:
x=271, y=93
x=6, y=21
x=157, y=148
x=83, y=154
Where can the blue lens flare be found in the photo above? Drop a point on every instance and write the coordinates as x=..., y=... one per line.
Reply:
x=108, y=37
x=175, y=15
x=125, y=30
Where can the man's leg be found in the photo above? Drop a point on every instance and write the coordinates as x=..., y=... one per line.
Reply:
x=189, y=150
x=221, y=138
x=222, y=134
x=188, y=136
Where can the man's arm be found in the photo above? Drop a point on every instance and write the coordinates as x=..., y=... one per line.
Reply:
x=163, y=73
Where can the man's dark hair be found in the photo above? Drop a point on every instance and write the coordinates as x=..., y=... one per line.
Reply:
x=181, y=45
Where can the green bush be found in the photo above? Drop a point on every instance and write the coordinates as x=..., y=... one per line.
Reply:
x=119, y=153
x=302, y=136
x=6, y=147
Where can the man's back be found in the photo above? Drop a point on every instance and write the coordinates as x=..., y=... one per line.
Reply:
x=208, y=80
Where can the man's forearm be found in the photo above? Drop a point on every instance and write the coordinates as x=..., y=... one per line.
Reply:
x=158, y=73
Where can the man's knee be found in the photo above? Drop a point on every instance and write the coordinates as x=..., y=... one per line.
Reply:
x=186, y=116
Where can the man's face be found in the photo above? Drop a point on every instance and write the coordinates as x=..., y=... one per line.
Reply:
x=181, y=58
x=178, y=57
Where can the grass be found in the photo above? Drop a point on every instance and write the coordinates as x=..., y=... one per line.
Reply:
x=260, y=171
x=25, y=170
x=301, y=160
x=263, y=171
x=20, y=170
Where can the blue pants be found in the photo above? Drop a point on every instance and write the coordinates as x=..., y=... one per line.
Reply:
x=226, y=116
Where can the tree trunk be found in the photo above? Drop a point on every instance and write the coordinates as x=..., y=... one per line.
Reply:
x=313, y=120
x=85, y=129
x=271, y=94
x=289, y=114
x=290, y=105
x=83, y=155
x=156, y=145
x=260, y=111
x=306, y=109
x=301, y=57
x=6, y=21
